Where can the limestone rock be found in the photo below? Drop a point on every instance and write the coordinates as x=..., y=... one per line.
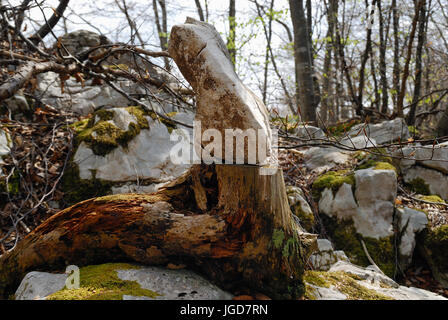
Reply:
x=323, y=159
x=168, y=284
x=357, y=283
x=173, y=284
x=307, y=132
x=384, y=132
x=433, y=181
x=433, y=157
x=325, y=257
x=410, y=223
x=223, y=101
x=300, y=207
x=127, y=151
x=37, y=285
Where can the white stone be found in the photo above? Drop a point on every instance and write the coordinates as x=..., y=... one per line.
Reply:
x=174, y=284
x=410, y=222
x=307, y=132
x=358, y=142
x=323, y=159
x=37, y=285
x=147, y=157
x=433, y=157
x=384, y=132
x=436, y=181
x=325, y=256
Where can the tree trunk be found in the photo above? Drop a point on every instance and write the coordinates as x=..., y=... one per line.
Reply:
x=231, y=39
x=305, y=91
x=50, y=23
x=162, y=28
x=418, y=5
x=421, y=37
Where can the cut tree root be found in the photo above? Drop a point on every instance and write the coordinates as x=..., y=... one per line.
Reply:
x=226, y=221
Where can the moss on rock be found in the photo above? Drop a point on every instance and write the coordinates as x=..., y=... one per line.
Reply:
x=76, y=189
x=101, y=282
x=332, y=180
x=419, y=186
x=432, y=198
x=344, y=237
x=436, y=243
x=341, y=281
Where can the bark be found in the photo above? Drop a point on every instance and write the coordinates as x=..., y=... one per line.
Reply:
x=421, y=38
x=199, y=9
x=231, y=44
x=364, y=58
x=405, y=76
x=383, y=65
x=326, y=106
x=396, y=67
x=305, y=91
x=51, y=23
x=162, y=28
x=245, y=236
x=442, y=125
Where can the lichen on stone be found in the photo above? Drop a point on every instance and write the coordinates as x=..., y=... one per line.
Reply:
x=101, y=282
x=102, y=135
x=343, y=282
x=332, y=180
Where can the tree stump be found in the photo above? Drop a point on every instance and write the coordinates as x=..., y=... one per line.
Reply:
x=226, y=221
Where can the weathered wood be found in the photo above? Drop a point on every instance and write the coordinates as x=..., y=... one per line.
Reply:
x=246, y=237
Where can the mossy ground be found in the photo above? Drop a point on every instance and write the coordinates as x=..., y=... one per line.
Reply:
x=332, y=180
x=344, y=237
x=378, y=160
x=343, y=282
x=101, y=282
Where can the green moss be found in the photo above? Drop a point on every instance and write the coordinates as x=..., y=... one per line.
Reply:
x=413, y=130
x=419, y=186
x=432, y=198
x=332, y=180
x=306, y=219
x=102, y=136
x=436, y=243
x=101, y=282
x=377, y=165
x=277, y=238
x=344, y=236
x=13, y=185
x=76, y=189
x=343, y=282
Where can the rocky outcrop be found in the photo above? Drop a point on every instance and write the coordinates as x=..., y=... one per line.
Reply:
x=124, y=150
x=359, y=208
x=427, y=181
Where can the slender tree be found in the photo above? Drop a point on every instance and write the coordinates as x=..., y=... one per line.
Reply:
x=305, y=91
